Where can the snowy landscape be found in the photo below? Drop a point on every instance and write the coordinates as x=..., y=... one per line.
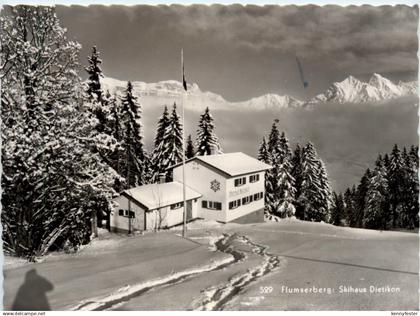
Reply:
x=122, y=192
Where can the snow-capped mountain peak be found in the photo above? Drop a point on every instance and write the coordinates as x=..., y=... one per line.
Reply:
x=270, y=101
x=353, y=90
x=350, y=90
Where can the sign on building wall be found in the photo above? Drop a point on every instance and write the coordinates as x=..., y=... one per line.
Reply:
x=238, y=192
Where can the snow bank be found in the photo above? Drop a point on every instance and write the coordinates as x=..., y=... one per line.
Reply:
x=11, y=262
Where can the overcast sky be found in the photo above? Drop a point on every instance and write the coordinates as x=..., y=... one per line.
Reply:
x=245, y=51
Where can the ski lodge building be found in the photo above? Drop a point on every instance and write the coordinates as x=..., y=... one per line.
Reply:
x=223, y=187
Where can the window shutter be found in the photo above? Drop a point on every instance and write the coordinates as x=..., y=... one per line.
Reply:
x=218, y=206
x=121, y=212
x=204, y=204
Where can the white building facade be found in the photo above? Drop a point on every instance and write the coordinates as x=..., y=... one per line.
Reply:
x=223, y=187
x=232, y=185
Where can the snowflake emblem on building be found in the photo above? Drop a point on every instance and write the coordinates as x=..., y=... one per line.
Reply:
x=215, y=185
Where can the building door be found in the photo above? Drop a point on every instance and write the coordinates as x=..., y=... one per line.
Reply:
x=189, y=210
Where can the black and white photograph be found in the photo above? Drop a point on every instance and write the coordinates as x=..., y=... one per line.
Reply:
x=209, y=157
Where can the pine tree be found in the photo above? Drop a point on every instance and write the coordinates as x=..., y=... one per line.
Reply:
x=285, y=151
x=52, y=179
x=338, y=209
x=409, y=217
x=376, y=199
x=272, y=188
x=162, y=125
x=279, y=182
x=207, y=141
x=396, y=185
x=325, y=198
x=314, y=187
x=286, y=181
x=263, y=152
x=97, y=102
x=297, y=173
x=172, y=140
x=360, y=198
x=158, y=159
x=94, y=90
x=189, y=151
x=350, y=208
x=274, y=144
x=133, y=140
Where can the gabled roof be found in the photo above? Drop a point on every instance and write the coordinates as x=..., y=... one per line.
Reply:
x=157, y=195
x=232, y=164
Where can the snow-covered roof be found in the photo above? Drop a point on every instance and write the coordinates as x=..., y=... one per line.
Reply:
x=232, y=164
x=158, y=195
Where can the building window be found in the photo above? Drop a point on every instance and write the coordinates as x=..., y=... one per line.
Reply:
x=240, y=181
x=177, y=205
x=125, y=213
x=211, y=205
x=234, y=204
x=258, y=196
x=254, y=178
x=247, y=200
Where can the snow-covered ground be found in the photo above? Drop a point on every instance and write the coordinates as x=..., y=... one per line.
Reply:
x=162, y=271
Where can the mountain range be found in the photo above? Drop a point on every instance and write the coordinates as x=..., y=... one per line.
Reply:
x=351, y=90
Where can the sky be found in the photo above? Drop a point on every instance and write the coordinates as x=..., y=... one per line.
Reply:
x=242, y=52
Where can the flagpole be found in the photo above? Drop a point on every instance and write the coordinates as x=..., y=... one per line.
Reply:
x=184, y=227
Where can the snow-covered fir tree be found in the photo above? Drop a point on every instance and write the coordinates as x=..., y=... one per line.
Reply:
x=94, y=89
x=286, y=181
x=325, y=200
x=263, y=152
x=172, y=140
x=158, y=159
x=360, y=198
x=377, y=199
x=314, y=193
x=396, y=175
x=162, y=125
x=409, y=217
x=134, y=153
x=207, y=141
x=337, y=209
x=349, y=206
x=272, y=190
x=97, y=101
x=52, y=180
x=280, y=191
x=297, y=174
x=189, y=150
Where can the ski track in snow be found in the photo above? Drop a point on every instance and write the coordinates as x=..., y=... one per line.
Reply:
x=217, y=297
x=126, y=293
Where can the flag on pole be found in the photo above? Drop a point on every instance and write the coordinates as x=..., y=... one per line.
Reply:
x=184, y=82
